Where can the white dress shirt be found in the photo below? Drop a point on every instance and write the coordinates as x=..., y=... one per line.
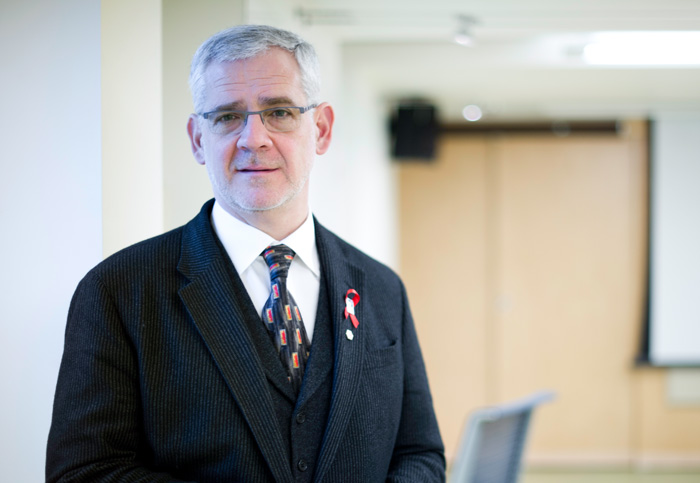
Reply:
x=244, y=245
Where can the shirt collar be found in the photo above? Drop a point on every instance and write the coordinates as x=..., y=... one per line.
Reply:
x=244, y=243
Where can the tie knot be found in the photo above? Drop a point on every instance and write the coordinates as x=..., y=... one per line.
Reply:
x=278, y=259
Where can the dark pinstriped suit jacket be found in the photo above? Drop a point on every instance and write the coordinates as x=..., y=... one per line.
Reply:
x=168, y=375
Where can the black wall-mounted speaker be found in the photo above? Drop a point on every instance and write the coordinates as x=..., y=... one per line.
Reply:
x=414, y=132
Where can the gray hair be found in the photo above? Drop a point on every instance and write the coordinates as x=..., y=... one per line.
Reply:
x=247, y=41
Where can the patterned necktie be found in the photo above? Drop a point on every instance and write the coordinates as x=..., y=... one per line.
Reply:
x=282, y=318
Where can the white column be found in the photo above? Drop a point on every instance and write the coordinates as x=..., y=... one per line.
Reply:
x=50, y=207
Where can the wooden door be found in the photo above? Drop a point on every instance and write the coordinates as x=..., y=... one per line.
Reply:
x=524, y=260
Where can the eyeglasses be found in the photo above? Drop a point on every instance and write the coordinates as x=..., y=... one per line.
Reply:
x=275, y=119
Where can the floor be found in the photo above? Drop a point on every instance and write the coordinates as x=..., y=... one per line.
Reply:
x=543, y=476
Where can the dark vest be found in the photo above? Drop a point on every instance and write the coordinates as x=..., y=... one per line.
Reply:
x=302, y=422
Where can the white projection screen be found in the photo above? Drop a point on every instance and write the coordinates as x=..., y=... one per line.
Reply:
x=674, y=284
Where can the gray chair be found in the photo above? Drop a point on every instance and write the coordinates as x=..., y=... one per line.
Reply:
x=493, y=442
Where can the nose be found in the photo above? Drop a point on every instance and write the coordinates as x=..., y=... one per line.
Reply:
x=254, y=135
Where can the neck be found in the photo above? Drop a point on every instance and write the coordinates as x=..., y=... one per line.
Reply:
x=279, y=222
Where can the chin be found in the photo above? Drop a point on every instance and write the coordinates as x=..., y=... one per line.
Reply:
x=253, y=206
x=260, y=200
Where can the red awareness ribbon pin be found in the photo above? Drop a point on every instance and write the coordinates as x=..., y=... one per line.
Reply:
x=352, y=298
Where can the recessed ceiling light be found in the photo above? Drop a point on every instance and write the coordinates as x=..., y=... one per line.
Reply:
x=472, y=113
x=463, y=38
x=465, y=35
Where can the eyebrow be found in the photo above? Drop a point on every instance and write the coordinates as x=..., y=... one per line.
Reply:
x=275, y=101
x=265, y=102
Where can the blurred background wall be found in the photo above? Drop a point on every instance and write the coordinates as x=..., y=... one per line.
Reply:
x=550, y=291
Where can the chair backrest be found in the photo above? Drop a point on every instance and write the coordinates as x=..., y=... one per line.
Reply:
x=492, y=443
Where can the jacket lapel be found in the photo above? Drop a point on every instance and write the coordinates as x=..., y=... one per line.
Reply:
x=216, y=300
x=341, y=275
x=320, y=361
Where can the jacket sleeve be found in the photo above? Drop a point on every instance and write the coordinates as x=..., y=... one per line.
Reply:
x=418, y=453
x=96, y=432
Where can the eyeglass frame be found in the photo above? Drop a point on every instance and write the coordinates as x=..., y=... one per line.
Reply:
x=246, y=114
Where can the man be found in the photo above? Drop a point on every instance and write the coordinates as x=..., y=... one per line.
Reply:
x=177, y=368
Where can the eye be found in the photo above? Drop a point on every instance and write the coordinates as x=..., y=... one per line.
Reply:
x=281, y=113
x=227, y=117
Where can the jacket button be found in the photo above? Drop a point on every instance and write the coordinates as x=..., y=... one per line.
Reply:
x=302, y=465
x=301, y=417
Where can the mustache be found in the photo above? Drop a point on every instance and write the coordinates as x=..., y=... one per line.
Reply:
x=253, y=160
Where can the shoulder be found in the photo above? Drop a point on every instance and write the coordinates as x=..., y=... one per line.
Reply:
x=146, y=253
x=327, y=239
x=156, y=257
x=150, y=259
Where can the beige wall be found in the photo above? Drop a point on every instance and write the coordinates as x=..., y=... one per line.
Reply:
x=132, y=127
x=525, y=259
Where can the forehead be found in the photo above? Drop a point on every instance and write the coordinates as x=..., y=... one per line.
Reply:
x=273, y=74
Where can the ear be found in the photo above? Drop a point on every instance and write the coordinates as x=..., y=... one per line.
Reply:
x=323, y=117
x=195, y=133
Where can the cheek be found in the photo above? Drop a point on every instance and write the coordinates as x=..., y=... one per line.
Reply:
x=219, y=154
x=305, y=152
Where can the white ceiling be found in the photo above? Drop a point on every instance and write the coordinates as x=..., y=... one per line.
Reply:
x=526, y=59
